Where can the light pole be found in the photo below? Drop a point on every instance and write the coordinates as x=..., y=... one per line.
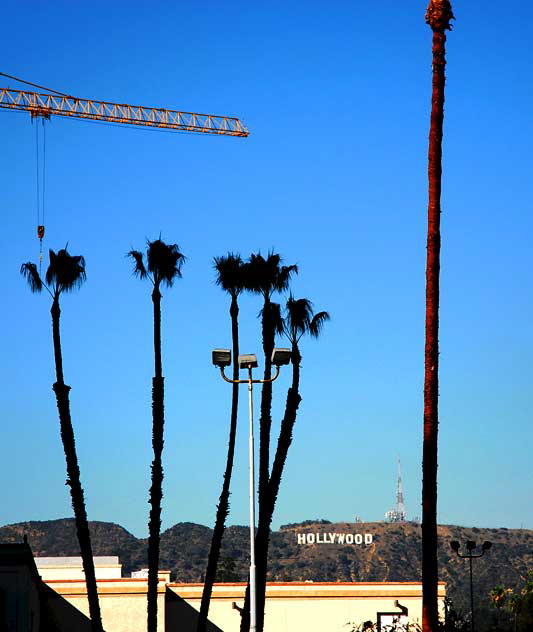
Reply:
x=222, y=359
x=470, y=555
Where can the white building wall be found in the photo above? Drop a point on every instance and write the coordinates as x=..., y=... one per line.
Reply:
x=51, y=568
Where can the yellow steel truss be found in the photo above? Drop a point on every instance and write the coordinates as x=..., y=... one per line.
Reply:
x=44, y=105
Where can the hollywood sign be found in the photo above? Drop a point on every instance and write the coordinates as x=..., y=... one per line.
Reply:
x=334, y=538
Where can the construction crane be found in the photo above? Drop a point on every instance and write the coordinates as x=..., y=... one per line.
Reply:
x=44, y=105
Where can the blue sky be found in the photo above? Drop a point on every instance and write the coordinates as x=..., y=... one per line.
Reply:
x=333, y=177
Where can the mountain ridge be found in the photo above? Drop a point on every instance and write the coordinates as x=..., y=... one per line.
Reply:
x=393, y=554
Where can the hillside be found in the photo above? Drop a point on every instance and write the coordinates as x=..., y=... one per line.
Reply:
x=393, y=555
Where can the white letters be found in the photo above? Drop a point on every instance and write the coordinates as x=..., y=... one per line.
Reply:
x=332, y=538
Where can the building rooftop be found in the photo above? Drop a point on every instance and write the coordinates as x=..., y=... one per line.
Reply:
x=75, y=561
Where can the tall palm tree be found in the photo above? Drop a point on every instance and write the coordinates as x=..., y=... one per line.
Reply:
x=229, y=271
x=163, y=267
x=66, y=273
x=438, y=16
x=299, y=320
x=265, y=276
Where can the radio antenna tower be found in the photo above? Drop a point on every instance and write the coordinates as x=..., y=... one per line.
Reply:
x=398, y=514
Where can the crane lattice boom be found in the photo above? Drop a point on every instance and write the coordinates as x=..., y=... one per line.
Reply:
x=45, y=105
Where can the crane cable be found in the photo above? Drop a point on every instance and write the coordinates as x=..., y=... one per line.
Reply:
x=40, y=176
x=35, y=85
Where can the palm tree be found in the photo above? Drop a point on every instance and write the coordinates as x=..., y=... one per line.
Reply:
x=66, y=273
x=265, y=276
x=299, y=320
x=498, y=598
x=164, y=263
x=230, y=278
x=438, y=16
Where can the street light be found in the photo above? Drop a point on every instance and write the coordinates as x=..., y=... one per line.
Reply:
x=470, y=547
x=221, y=359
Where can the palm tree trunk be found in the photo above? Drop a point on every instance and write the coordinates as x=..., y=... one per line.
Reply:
x=262, y=538
x=223, y=503
x=438, y=16
x=156, y=489
x=265, y=419
x=280, y=458
x=265, y=424
x=61, y=391
x=285, y=436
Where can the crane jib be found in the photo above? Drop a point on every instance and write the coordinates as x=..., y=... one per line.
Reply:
x=44, y=105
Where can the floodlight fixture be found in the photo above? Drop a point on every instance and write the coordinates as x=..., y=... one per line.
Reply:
x=470, y=555
x=247, y=361
x=221, y=357
x=281, y=357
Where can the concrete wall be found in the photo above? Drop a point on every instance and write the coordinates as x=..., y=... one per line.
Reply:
x=19, y=600
x=122, y=602
x=20, y=605
x=291, y=606
x=313, y=606
x=61, y=603
x=72, y=567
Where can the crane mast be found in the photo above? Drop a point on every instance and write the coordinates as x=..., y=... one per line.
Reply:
x=44, y=105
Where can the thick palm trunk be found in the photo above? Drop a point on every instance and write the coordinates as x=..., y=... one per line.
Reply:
x=280, y=458
x=61, y=391
x=223, y=503
x=265, y=419
x=438, y=16
x=262, y=539
x=265, y=424
x=285, y=436
x=156, y=489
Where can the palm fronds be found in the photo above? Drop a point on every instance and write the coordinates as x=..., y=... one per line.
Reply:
x=66, y=272
x=266, y=275
x=29, y=272
x=316, y=324
x=300, y=319
x=284, y=276
x=229, y=273
x=139, y=269
x=164, y=261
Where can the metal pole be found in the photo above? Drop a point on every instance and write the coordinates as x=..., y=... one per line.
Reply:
x=471, y=592
x=253, y=600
